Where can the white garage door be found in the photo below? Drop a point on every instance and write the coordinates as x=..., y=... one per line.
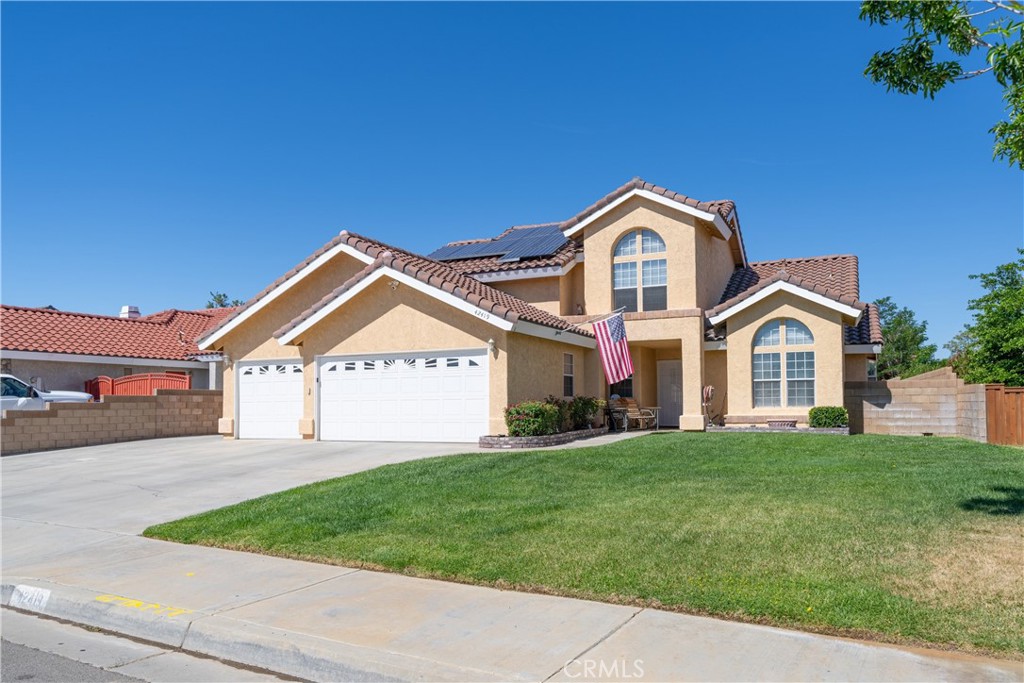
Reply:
x=270, y=400
x=440, y=396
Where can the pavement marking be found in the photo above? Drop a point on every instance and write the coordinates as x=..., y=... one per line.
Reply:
x=156, y=607
x=29, y=597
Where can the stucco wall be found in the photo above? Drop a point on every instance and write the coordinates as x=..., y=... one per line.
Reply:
x=715, y=266
x=72, y=376
x=829, y=364
x=600, y=238
x=716, y=373
x=857, y=367
x=537, y=368
x=541, y=292
x=254, y=340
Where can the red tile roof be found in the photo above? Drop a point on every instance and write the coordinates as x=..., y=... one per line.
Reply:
x=439, y=275
x=167, y=335
x=836, y=277
x=723, y=207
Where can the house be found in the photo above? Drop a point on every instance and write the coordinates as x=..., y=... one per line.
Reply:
x=61, y=349
x=366, y=341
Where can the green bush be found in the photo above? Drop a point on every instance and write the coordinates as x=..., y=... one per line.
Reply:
x=582, y=411
x=564, y=420
x=828, y=417
x=532, y=418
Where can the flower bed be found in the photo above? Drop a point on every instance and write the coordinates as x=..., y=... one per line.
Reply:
x=539, y=441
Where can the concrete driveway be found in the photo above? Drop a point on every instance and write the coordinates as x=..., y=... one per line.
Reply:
x=126, y=487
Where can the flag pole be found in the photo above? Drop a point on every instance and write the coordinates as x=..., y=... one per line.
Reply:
x=607, y=315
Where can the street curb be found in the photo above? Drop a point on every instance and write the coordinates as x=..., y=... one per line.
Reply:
x=233, y=640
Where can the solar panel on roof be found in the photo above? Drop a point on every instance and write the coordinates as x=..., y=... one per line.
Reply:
x=517, y=244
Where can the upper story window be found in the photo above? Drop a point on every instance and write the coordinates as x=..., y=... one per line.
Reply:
x=772, y=341
x=639, y=278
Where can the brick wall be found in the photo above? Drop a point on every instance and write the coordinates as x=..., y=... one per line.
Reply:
x=936, y=402
x=115, y=418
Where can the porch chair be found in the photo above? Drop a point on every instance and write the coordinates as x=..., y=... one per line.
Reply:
x=644, y=418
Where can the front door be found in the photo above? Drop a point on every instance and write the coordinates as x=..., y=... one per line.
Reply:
x=670, y=392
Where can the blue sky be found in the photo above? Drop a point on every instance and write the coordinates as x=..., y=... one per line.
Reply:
x=154, y=152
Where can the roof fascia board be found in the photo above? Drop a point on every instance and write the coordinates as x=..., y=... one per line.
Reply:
x=340, y=248
x=526, y=273
x=412, y=282
x=862, y=348
x=849, y=311
x=723, y=229
x=544, y=332
x=83, y=358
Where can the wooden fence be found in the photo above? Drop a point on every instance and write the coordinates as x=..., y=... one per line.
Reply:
x=1004, y=408
x=137, y=385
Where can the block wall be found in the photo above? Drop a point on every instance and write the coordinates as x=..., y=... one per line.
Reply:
x=936, y=403
x=115, y=418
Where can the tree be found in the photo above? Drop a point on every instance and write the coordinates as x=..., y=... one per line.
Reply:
x=960, y=28
x=992, y=348
x=220, y=300
x=904, y=353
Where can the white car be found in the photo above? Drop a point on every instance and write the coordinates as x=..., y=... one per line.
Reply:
x=18, y=395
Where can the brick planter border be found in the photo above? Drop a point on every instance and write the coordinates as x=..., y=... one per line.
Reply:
x=539, y=441
x=783, y=430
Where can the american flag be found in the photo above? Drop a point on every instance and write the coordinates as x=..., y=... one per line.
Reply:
x=614, y=350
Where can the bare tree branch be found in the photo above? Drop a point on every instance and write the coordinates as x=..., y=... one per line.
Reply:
x=971, y=74
x=1008, y=8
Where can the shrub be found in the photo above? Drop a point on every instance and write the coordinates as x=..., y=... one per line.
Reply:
x=582, y=411
x=828, y=417
x=532, y=418
x=564, y=420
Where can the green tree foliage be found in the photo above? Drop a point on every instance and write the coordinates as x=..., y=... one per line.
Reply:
x=964, y=32
x=221, y=300
x=992, y=348
x=905, y=352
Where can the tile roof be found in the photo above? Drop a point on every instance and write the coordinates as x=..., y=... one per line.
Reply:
x=439, y=275
x=723, y=207
x=836, y=277
x=167, y=335
x=839, y=273
x=492, y=264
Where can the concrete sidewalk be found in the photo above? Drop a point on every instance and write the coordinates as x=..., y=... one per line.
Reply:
x=323, y=622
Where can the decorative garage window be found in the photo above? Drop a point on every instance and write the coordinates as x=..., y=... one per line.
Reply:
x=772, y=341
x=638, y=281
x=567, y=375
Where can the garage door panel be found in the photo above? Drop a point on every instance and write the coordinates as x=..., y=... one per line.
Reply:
x=270, y=400
x=413, y=397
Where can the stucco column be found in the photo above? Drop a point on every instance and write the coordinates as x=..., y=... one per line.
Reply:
x=692, y=418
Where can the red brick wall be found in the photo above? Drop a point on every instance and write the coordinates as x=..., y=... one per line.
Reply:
x=116, y=418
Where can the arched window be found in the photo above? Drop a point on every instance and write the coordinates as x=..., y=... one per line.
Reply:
x=771, y=341
x=637, y=278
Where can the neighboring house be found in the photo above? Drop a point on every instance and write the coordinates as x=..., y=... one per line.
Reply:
x=61, y=350
x=363, y=340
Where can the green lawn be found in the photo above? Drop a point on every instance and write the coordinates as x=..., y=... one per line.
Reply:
x=897, y=538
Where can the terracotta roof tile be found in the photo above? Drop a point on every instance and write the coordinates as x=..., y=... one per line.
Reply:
x=836, y=277
x=723, y=207
x=436, y=274
x=167, y=335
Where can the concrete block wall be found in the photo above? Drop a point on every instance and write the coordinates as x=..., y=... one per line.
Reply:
x=936, y=403
x=115, y=418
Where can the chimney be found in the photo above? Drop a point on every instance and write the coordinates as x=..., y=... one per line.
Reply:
x=130, y=312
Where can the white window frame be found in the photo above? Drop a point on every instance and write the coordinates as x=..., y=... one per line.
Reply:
x=568, y=373
x=778, y=344
x=641, y=238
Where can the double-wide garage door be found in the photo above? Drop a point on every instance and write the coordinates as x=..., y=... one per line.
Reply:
x=440, y=396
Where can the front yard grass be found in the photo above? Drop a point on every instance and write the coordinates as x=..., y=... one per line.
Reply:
x=895, y=538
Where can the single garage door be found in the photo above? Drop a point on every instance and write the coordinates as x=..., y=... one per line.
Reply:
x=440, y=396
x=270, y=400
